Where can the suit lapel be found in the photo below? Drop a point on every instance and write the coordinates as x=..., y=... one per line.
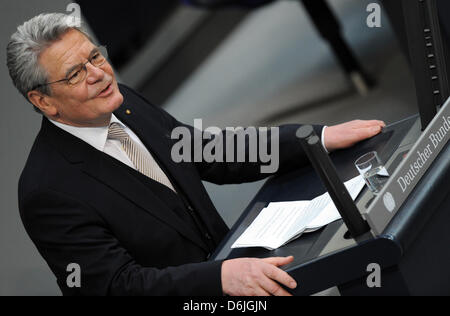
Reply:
x=149, y=126
x=103, y=168
x=157, y=140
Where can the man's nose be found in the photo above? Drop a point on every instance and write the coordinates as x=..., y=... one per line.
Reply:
x=94, y=74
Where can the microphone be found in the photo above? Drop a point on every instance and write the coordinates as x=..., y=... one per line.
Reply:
x=321, y=162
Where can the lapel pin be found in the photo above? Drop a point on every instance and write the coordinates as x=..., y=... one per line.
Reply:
x=128, y=112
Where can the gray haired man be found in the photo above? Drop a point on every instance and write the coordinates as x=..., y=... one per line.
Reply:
x=100, y=189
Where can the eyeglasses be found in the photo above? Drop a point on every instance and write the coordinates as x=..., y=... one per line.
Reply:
x=78, y=73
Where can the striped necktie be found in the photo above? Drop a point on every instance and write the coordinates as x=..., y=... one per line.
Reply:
x=142, y=160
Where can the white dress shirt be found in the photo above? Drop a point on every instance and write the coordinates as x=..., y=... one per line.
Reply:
x=323, y=138
x=97, y=137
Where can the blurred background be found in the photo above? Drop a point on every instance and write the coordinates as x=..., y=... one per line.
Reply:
x=229, y=65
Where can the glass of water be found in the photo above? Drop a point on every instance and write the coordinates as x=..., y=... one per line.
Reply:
x=373, y=171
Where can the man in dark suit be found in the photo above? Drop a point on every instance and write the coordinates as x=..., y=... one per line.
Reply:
x=100, y=189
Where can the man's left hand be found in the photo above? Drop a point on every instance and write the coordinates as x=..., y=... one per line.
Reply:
x=348, y=134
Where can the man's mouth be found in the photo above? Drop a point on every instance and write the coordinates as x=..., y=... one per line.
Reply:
x=106, y=92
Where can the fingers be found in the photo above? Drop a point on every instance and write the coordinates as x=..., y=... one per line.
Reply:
x=374, y=130
x=275, y=274
x=279, y=261
x=280, y=276
x=350, y=133
x=356, y=124
x=262, y=292
x=375, y=123
x=370, y=131
x=261, y=277
x=273, y=288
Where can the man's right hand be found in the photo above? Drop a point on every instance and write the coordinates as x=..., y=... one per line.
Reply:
x=256, y=277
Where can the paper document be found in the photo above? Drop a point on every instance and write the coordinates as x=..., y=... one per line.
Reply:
x=281, y=222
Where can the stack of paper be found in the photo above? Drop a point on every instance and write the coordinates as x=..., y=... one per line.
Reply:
x=281, y=222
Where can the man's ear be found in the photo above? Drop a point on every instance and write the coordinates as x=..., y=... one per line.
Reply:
x=42, y=102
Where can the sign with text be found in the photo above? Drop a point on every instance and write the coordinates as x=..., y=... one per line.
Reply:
x=410, y=171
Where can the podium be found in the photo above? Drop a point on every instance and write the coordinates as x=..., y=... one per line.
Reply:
x=408, y=241
x=412, y=251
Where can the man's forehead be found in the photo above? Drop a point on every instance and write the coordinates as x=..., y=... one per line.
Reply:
x=71, y=49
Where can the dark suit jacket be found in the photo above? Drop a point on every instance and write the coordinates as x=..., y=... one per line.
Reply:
x=80, y=205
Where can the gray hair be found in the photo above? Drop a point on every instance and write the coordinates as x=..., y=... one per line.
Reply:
x=28, y=42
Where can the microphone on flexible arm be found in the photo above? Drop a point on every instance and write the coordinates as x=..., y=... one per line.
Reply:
x=325, y=169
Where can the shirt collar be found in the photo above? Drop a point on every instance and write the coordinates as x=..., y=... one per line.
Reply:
x=94, y=136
